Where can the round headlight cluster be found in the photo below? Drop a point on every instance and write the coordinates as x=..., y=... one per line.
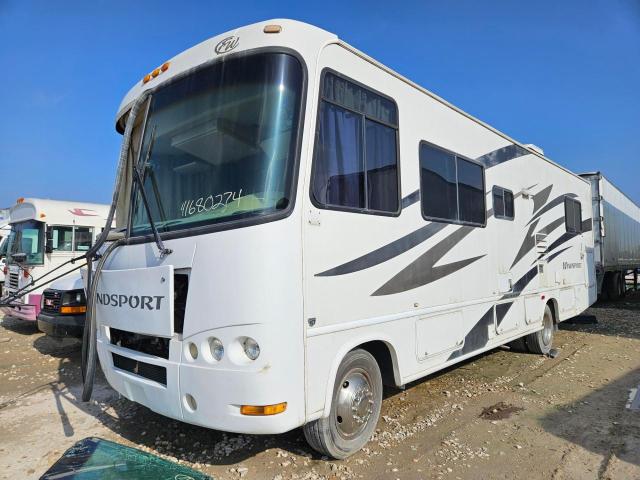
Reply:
x=251, y=348
x=216, y=348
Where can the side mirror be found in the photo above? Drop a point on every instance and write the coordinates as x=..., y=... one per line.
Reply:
x=19, y=257
x=48, y=247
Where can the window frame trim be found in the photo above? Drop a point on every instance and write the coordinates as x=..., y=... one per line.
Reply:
x=365, y=117
x=504, y=204
x=455, y=156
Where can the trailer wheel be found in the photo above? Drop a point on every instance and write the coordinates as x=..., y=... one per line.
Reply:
x=623, y=285
x=355, y=408
x=614, y=288
x=541, y=341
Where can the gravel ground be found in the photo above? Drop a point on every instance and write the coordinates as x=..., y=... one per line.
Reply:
x=501, y=415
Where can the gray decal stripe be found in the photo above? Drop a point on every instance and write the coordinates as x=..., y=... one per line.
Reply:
x=502, y=155
x=386, y=252
x=501, y=311
x=414, y=238
x=540, y=198
x=551, y=257
x=553, y=203
x=423, y=271
x=478, y=336
x=411, y=199
x=529, y=241
x=586, y=225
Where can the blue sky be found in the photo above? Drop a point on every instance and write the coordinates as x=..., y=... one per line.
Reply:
x=563, y=75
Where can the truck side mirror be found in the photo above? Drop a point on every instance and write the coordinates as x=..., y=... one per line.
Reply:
x=48, y=247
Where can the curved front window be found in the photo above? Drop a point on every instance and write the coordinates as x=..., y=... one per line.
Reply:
x=26, y=238
x=220, y=144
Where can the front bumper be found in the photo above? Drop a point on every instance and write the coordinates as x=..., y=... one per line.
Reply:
x=27, y=311
x=218, y=389
x=61, y=325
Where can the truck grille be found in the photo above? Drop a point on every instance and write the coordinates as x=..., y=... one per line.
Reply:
x=51, y=301
x=13, y=280
x=156, y=346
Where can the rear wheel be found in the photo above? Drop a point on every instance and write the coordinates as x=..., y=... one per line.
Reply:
x=541, y=341
x=614, y=289
x=355, y=408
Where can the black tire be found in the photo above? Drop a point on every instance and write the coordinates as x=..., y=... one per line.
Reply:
x=355, y=408
x=623, y=285
x=518, y=345
x=540, y=342
x=613, y=285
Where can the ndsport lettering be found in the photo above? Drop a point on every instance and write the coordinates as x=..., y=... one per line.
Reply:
x=143, y=302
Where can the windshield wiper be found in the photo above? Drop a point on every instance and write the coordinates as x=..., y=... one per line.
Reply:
x=137, y=177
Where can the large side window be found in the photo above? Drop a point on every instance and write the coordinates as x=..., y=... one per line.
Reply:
x=356, y=152
x=62, y=238
x=503, y=203
x=572, y=215
x=451, y=187
x=82, y=238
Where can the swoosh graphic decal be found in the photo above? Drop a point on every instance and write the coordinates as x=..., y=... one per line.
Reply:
x=540, y=198
x=501, y=311
x=403, y=244
x=529, y=240
x=477, y=337
x=553, y=203
x=551, y=257
x=502, y=155
x=423, y=271
x=386, y=252
x=410, y=199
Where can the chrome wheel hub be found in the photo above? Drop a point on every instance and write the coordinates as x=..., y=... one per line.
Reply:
x=354, y=404
x=547, y=332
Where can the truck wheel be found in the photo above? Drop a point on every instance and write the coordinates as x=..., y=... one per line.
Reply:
x=613, y=285
x=355, y=408
x=540, y=342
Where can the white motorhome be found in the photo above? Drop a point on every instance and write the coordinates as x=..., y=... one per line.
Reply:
x=44, y=234
x=330, y=227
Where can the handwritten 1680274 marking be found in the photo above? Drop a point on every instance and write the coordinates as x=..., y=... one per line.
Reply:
x=207, y=204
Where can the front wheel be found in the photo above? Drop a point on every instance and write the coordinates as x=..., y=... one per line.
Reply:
x=541, y=341
x=355, y=408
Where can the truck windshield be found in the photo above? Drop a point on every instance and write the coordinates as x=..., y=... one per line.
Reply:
x=220, y=144
x=26, y=237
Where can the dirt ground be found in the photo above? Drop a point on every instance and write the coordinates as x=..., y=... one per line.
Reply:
x=502, y=415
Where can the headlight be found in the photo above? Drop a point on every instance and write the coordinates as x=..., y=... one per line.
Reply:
x=251, y=348
x=216, y=348
x=73, y=297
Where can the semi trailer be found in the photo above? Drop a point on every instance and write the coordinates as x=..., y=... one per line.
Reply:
x=616, y=236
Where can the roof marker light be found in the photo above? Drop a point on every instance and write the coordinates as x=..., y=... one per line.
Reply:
x=165, y=66
x=272, y=29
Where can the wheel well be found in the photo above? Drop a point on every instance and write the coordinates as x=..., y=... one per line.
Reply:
x=554, y=309
x=382, y=353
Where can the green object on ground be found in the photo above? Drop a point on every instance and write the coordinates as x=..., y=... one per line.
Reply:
x=95, y=458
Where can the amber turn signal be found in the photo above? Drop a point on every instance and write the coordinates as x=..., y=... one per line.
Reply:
x=80, y=309
x=261, y=410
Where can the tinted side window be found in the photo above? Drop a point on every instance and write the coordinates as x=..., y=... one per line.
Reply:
x=82, y=237
x=572, y=215
x=339, y=163
x=356, y=159
x=509, y=210
x=503, y=203
x=62, y=238
x=470, y=192
x=451, y=188
x=438, y=189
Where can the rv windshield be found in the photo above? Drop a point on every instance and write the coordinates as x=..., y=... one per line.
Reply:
x=28, y=238
x=220, y=144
